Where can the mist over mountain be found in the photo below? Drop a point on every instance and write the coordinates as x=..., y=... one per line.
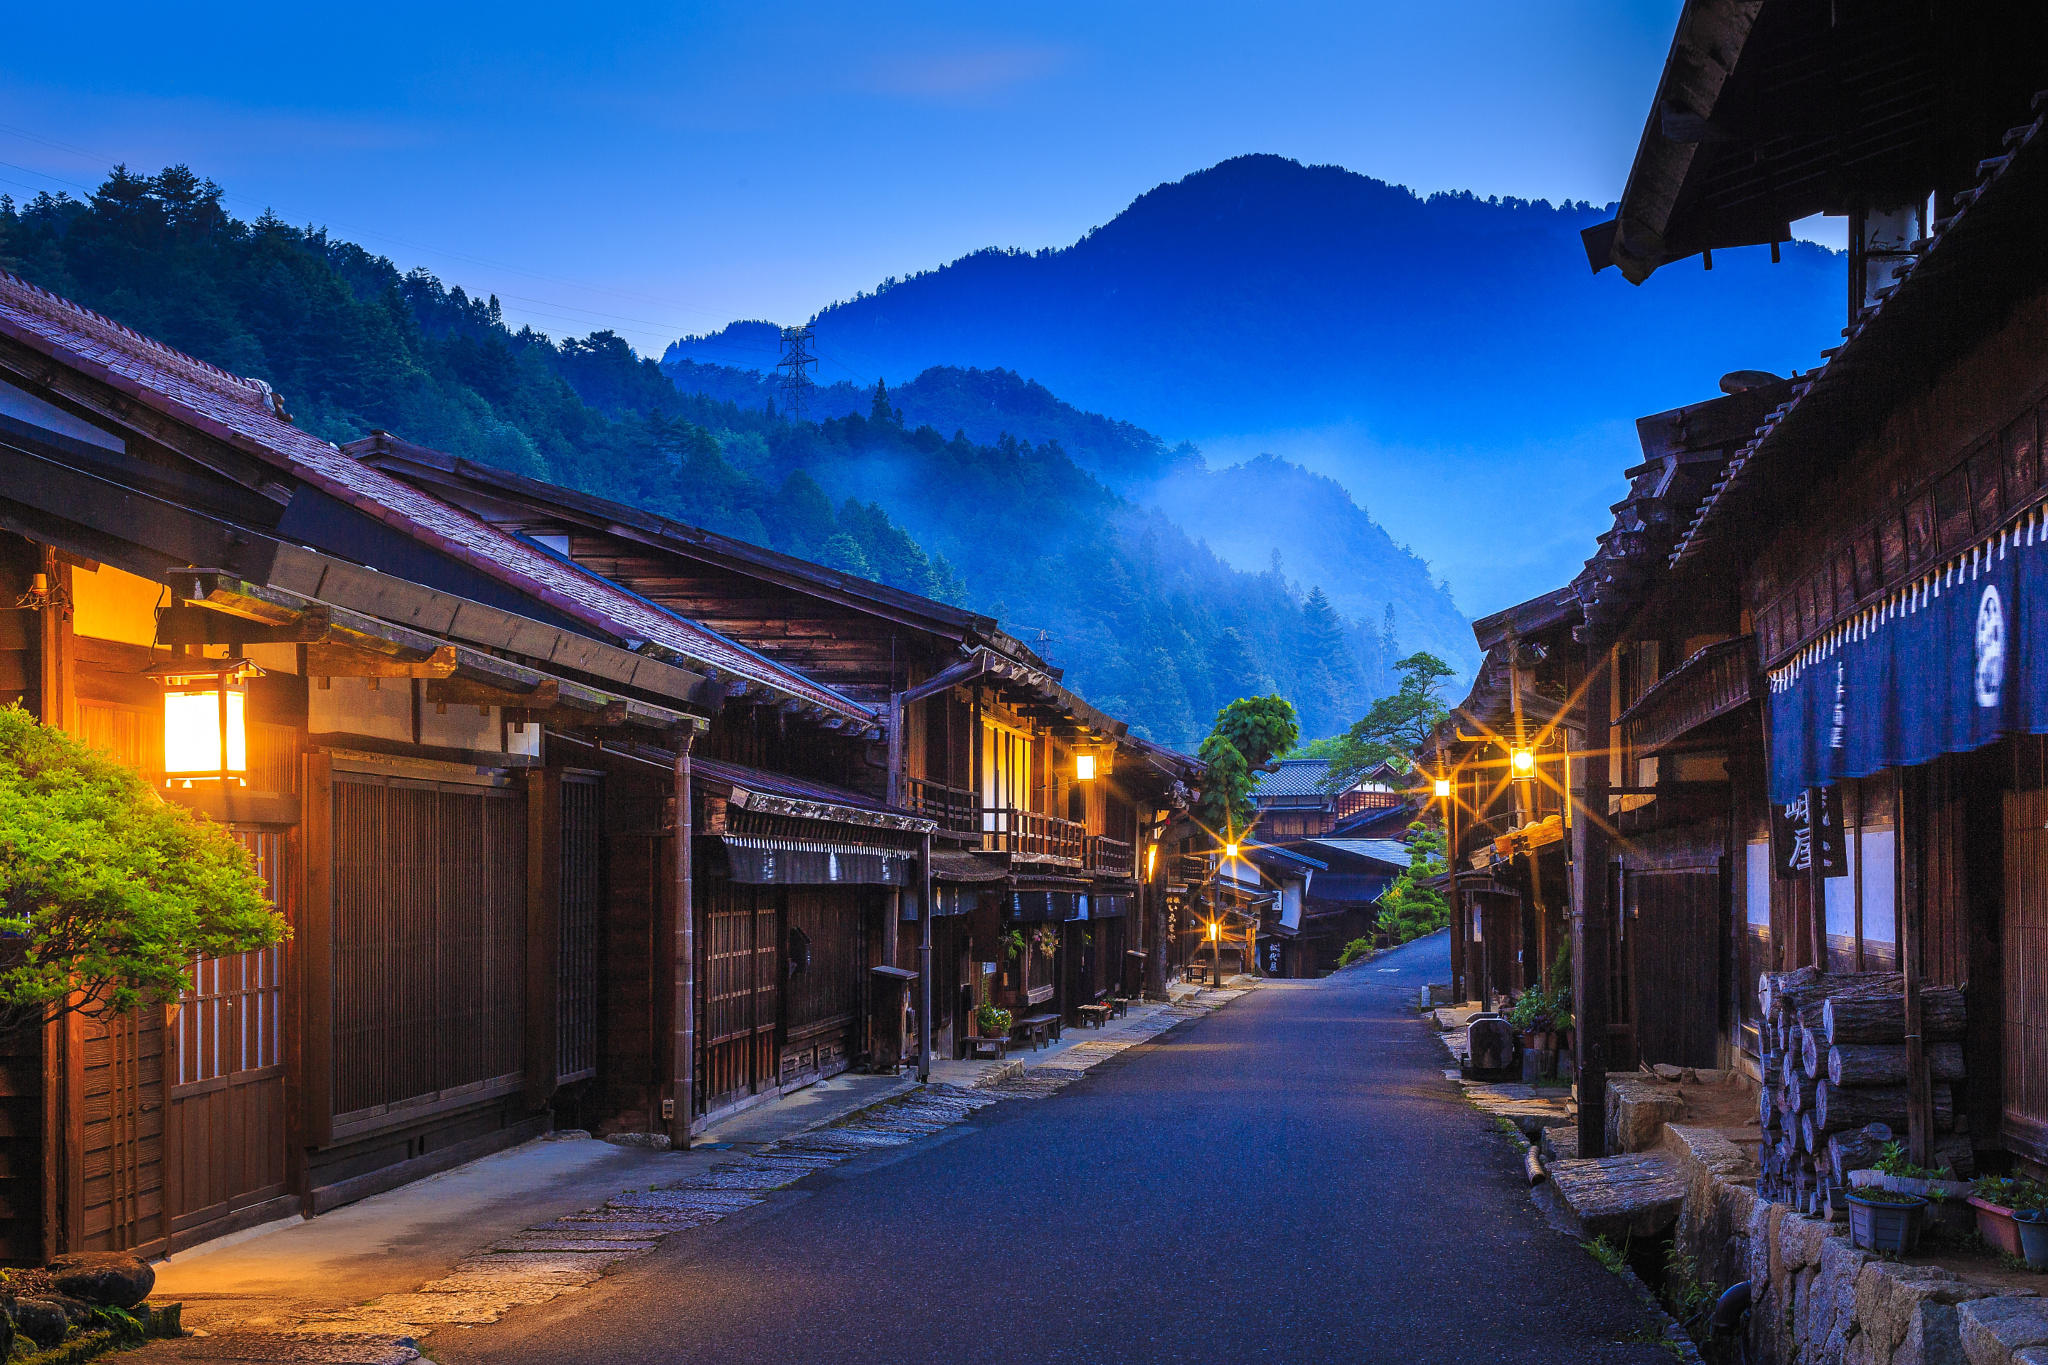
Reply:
x=1264, y=515
x=1430, y=353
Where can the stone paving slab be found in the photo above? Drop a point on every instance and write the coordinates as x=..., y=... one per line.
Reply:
x=279, y=1348
x=1634, y=1195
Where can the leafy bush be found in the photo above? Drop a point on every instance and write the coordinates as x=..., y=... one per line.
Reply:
x=107, y=893
x=1354, y=950
x=992, y=1021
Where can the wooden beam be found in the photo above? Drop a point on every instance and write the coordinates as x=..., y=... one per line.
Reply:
x=183, y=624
x=328, y=660
x=544, y=695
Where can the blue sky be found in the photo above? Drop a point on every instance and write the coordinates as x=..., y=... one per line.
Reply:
x=662, y=170
x=665, y=169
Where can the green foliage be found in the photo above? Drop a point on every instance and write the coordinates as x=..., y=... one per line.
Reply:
x=1547, y=1007
x=1248, y=734
x=1611, y=1257
x=1689, y=1299
x=1410, y=909
x=1148, y=623
x=1892, y=1160
x=1395, y=728
x=2012, y=1192
x=106, y=891
x=993, y=1021
x=1013, y=945
x=1353, y=951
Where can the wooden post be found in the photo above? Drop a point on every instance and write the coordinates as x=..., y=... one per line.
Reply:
x=1592, y=925
x=1912, y=836
x=924, y=958
x=63, y=1142
x=313, y=947
x=1460, y=926
x=683, y=1073
x=543, y=932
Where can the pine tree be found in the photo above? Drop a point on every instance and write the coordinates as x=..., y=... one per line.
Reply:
x=879, y=411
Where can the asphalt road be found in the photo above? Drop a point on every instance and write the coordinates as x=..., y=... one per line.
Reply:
x=1291, y=1178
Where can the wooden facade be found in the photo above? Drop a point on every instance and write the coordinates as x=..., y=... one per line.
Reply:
x=1767, y=536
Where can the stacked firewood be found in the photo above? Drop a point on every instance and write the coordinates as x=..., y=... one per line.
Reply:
x=1834, y=1063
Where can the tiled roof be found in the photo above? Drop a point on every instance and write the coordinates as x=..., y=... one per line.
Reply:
x=781, y=784
x=245, y=414
x=1296, y=777
x=1391, y=851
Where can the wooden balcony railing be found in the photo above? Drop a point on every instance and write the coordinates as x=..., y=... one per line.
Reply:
x=1028, y=834
x=954, y=808
x=1115, y=857
x=1718, y=679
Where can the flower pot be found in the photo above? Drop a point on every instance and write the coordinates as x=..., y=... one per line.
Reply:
x=1996, y=1226
x=1875, y=1226
x=1947, y=1200
x=2033, y=1230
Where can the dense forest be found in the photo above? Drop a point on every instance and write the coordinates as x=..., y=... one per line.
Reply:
x=1148, y=622
x=1422, y=349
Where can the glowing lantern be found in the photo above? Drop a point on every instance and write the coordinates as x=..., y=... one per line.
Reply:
x=1084, y=767
x=1443, y=787
x=206, y=720
x=1215, y=931
x=1230, y=851
x=1524, y=761
x=1151, y=860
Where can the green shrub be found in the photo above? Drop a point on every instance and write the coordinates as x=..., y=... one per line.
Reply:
x=1354, y=950
x=107, y=892
x=993, y=1021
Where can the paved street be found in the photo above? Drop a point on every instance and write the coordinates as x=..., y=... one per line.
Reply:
x=1291, y=1178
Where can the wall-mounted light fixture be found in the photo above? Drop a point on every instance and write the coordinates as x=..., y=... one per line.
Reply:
x=206, y=720
x=1084, y=767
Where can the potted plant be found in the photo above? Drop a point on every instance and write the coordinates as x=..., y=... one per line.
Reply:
x=1996, y=1198
x=1884, y=1220
x=992, y=1021
x=2033, y=1228
x=1947, y=1197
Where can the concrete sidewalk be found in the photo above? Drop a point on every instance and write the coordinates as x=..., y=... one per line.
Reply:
x=361, y=1285
x=1138, y=1023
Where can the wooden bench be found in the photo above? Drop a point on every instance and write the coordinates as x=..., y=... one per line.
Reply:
x=1095, y=1016
x=1054, y=1024
x=998, y=1048
x=1119, y=1006
x=1036, y=1030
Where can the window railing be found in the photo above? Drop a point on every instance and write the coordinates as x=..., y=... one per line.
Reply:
x=1113, y=856
x=954, y=808
x=1028, y=834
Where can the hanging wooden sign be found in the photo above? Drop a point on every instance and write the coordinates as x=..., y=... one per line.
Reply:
x=1806, y=834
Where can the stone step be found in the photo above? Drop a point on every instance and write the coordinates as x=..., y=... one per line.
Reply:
x=1618, y=1197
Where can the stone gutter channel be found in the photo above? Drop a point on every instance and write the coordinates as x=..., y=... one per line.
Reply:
x=550, y=1259
x=1816, y=1299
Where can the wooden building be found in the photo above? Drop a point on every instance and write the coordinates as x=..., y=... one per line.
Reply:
x=1290, y=801
x=1807, y=652
x=463, y=761
x=1045, y=811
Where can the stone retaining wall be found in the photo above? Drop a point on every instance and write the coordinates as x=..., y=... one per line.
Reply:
x=1816, y=1300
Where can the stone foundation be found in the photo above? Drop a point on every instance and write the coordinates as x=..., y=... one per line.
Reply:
x=1816, y=1300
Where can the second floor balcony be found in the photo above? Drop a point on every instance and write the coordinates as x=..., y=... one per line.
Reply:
x=1034, y=836
x=1111, y=857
